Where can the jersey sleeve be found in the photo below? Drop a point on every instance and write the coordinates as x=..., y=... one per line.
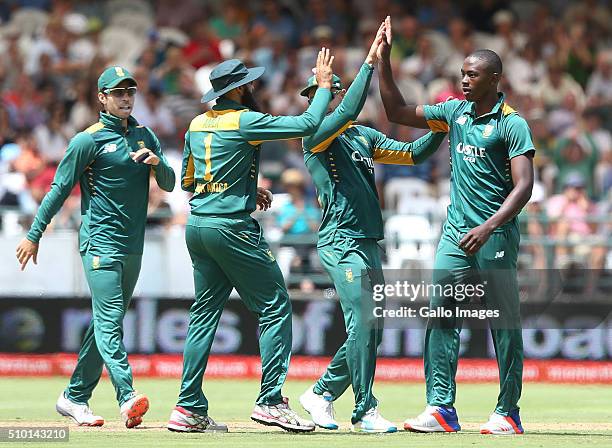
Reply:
x=440, y=115
x=344, y=115
x=389, y=151
x=80, y=154
x=164, y=174
x=518, y=136
x=188, y=167
x=257, y=127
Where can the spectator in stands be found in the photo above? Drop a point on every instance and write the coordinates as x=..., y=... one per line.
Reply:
x=298, y=216
x=405, y=40
x=570, y=211
x=554, y=87
x=203, y=48
x=599, y=86
x=575, y=155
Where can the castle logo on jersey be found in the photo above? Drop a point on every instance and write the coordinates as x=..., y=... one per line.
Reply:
x=368, y=161
x=470, y=152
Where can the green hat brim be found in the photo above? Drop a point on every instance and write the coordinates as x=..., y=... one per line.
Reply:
x=117, y=81
x=252, y=75
x=306, y=90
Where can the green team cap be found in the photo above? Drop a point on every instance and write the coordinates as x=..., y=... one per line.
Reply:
x=312, y=82
x=113, y=76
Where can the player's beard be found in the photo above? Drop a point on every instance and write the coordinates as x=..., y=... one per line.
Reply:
x=249, y=101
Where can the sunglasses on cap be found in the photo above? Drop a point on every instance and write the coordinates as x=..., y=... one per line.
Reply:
x=118, y=92
x=334, y=92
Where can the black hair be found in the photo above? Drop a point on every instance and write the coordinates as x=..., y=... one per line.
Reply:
x=492, y=60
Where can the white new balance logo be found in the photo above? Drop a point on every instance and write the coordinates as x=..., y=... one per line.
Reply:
x=499, y=254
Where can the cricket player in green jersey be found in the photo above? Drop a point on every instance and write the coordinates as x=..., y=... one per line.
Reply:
x=491, y=180
x=112, y=161
x=340, y=157
x=226, y=245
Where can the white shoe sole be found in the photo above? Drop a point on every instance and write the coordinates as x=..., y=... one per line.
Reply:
x=416, y=428
x=269, y=421
x=178, y=427
x=374, y=431
x=65, y=413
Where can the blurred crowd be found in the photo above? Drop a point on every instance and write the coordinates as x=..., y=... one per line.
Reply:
x=557, y=58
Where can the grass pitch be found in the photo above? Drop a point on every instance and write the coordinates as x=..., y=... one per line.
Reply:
x=553, y=416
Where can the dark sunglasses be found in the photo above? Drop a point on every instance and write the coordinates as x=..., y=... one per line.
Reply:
x=118, y=92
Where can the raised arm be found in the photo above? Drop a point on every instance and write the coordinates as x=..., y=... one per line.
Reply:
x=395, y=107
x=349, y=109
x=257, y=127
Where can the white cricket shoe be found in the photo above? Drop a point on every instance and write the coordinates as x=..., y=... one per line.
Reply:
x=503, y=425
x=434, y=419
x=181, y=420
x=133, y=410
x=320, y=408
x=281, y=415
x=80, y=413
x=372, y=421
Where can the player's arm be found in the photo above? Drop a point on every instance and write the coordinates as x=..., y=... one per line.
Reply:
x=520, y=151
x=79, y=155
x=188, y=167
x=395, y=106
x=344, y=115
x=257, y=127
x=164, y=174
x=389, y=151
x=349, y=109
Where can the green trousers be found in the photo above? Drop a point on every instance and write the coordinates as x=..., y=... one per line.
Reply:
x=111, y=281
x=496, y=262
x=231, y=253
x=347, y=261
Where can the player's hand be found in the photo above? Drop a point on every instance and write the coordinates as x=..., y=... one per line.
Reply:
x=372, y=56
x=26, y=250
x=324, y=71
x=145, y=155
x=384, y=49
x=475, y=239
x=264, y=198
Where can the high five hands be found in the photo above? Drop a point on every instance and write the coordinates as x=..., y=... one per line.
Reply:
x=383, y=51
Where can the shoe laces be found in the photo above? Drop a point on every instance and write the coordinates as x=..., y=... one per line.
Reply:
x=373, y=413
x=285, y=411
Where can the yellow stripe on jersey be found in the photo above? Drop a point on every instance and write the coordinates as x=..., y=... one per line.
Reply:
x=217, y=120
x=94, y=128
x=507, y=110
x=328, y=141
x=437, y=125
x=188, y=178
x=390, y=156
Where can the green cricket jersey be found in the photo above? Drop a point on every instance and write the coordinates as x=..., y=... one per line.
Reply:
x=340, y=157
x=114, y=188
x=221, y=155
x=480, y=152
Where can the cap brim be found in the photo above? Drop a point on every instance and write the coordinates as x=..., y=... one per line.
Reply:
x=306, y=90
x=118, y=81
x=254, y=73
